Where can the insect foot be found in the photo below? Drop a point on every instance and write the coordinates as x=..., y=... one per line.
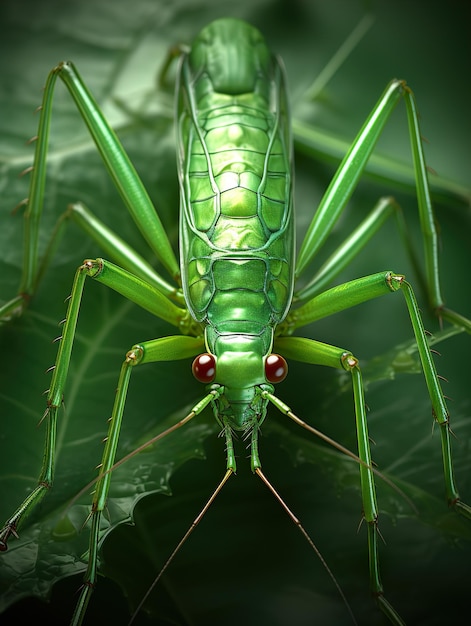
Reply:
x=7, y=530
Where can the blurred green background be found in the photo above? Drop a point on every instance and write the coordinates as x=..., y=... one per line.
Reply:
x=246, y=561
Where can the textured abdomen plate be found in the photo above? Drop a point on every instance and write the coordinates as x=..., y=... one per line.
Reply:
x=236, y=217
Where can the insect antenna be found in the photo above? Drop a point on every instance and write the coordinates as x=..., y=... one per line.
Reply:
x=283, y=408
x=339, y=57
x=195, y=411
x=194, y=524
x=308, y=538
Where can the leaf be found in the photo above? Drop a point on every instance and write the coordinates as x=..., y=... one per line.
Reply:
x=245, y=561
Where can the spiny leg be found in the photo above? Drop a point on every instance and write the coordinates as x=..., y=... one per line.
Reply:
x=355, y=242
x=367, y=288
x=166, y=349
x=120, y=168
x=347, y=177
x=317, y=353
x=137, y=291
x=301, y=349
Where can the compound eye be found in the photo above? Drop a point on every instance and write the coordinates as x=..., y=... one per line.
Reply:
x=276, y=368
x=204, y=368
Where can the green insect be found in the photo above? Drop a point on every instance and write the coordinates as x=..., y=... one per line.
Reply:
x=234, y=297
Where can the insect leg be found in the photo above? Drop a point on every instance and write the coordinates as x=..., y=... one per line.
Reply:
x=355, y=242
x=119, y=167
x=131, y=287
x=360, y=290
x=112, y=245
x=165, y=349
x=314, y=352
x=347, y=177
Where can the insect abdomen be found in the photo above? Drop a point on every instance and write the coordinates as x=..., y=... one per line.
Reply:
x=235, y=167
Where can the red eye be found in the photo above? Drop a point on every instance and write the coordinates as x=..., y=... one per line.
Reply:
x=204, y=368
x=276, y=368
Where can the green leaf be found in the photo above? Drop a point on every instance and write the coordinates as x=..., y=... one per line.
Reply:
x=245, y=562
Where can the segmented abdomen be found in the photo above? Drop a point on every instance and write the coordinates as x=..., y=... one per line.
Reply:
x=235, y=173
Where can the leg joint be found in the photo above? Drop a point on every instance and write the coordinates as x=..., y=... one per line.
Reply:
x=394, y=281
x=348, y=361
x=135, y=355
